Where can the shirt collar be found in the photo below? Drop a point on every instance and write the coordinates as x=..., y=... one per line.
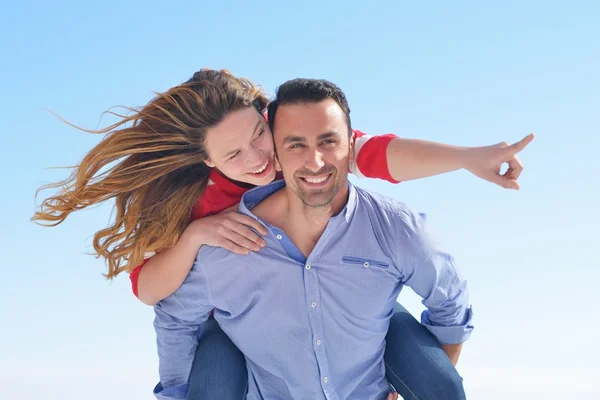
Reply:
x=254, y=196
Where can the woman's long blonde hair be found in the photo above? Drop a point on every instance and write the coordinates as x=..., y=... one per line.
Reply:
x=152, y=163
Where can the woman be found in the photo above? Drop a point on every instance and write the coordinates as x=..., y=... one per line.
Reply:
x=176, y=168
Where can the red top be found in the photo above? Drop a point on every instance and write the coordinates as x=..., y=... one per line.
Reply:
x=222, y=193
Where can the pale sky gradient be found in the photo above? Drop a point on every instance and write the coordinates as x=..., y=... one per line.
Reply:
x=461, y=73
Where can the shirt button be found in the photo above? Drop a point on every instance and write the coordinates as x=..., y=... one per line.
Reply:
x=279, y=237
x=307, y=266
x=313, y=304
x=325, y=379
x=318, y=342
x=366, y=264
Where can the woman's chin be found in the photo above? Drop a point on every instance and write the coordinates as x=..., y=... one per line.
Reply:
x=261, y=180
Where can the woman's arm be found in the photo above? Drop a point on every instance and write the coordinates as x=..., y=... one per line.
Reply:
x=397, y=159
x=162, y=274
x=413, y=159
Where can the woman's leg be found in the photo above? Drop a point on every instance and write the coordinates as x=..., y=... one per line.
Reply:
x=219, y=370
x=415, y=363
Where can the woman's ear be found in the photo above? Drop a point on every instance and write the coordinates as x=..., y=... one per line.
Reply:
x=209, y=163
x=276, y=163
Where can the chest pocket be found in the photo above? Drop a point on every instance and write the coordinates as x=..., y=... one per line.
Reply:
x=364, y=262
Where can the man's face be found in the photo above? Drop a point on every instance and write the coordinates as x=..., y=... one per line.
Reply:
x=313, y=149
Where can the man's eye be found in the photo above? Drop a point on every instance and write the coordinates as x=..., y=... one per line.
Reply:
x=326, y=142
x=296, y=146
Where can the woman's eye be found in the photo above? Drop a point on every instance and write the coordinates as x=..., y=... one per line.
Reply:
x=234, y=155
x=260, y=133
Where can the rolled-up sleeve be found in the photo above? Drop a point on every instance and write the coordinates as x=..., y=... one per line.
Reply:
x=177, y=322
x=431, y=273
x=450, y=334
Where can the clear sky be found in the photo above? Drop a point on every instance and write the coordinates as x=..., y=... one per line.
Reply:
x=460, y=72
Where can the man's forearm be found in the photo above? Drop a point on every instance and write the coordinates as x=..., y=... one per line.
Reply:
x=178, y=323
x=453, y=352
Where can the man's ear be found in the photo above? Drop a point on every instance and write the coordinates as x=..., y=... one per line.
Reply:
x=351, y=147
x=209, y=163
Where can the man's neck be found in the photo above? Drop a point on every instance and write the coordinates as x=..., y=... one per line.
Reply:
x=304, y=225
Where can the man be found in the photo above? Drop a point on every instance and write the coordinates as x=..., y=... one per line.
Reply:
x=310, y=311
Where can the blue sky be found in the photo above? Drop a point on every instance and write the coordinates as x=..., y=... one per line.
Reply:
x=462, y=73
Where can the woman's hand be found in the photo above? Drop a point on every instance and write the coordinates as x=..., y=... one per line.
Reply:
x=485, y=162
x=392, y=396
x=230, y=230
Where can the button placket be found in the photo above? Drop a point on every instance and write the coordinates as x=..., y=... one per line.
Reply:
x=314, y=315
x=312, y=288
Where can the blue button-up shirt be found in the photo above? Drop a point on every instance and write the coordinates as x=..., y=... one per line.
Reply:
x=314, y=328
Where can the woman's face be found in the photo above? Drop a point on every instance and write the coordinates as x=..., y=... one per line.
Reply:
x=241, y=147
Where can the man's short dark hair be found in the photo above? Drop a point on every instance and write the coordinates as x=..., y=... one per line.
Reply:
x=302, y=90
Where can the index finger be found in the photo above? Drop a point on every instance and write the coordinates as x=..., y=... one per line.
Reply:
x=251, y=222
x=233, y=208
x=514, y=168
x=521, y=144
x=392, y=396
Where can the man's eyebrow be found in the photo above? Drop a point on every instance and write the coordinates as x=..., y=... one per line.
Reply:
x=259, y=123
x=296, y=139
x=328, y=135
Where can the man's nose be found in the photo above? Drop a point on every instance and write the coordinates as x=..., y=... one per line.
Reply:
x=315, y=161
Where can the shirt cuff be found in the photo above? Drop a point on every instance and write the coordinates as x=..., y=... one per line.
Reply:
x=450, y=334
x=178, y=392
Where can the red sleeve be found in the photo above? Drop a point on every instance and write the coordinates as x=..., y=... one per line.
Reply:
x=371, y=156
x=135, y=275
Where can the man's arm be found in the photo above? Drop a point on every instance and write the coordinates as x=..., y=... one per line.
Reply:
x=178, y=325
x=432, y=274
x=453, y=352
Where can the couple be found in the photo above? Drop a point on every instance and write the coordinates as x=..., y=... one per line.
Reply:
x=309, y=300
x=310, y=311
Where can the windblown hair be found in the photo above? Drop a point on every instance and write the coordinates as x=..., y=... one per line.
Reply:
x=152, y=163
